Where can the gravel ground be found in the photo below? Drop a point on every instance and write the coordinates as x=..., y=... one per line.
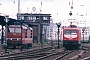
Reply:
x=77, y=55
x=84, y=55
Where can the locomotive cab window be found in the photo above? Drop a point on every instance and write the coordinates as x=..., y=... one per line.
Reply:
x=73, y=32
x=31, y=34
x=11, y=30
x=18, y=30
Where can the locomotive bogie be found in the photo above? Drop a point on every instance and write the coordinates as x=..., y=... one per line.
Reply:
x=71, y=44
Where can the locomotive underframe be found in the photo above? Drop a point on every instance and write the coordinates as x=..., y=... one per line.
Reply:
x=17, y=43
x=72, y=44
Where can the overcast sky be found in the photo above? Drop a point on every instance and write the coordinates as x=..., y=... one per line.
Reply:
x=48, y=6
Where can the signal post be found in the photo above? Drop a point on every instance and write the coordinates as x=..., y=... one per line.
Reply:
x=83, y=30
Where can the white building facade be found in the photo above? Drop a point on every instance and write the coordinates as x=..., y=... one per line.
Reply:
x=52, y=32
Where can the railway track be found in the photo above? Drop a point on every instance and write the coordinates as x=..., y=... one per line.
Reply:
x=82, y=54
x=56, y=55
x=27, y=54
x=45, y=53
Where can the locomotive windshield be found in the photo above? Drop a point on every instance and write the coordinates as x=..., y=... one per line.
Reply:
x=70, y=32
x=11, y=30
x=16, y=30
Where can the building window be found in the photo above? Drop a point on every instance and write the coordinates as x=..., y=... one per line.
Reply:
x=45, y=18
x=22, y=18
x=34, y=18
x=37, y=17
x=29, y=18
x=86, y=33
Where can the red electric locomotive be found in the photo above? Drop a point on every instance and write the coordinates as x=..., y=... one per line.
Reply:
x=71, y=37
x=16, y=38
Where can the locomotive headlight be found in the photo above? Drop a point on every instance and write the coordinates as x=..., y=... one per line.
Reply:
x=17, y=39
x=11, y=38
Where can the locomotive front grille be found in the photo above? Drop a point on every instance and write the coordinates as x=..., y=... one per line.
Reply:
x=71, y=41
x=13, y=41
